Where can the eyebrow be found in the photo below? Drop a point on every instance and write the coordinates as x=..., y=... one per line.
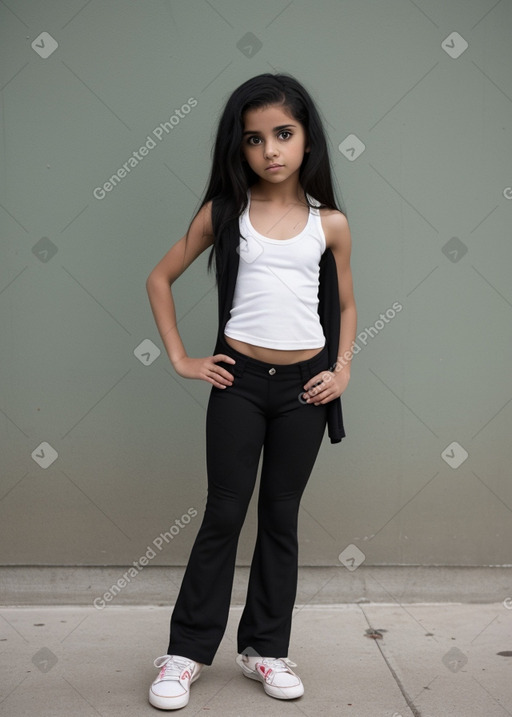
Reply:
x=281, y=126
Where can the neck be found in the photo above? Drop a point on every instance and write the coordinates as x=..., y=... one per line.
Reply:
x=287, y=192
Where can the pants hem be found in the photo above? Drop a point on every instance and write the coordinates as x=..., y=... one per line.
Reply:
x=190, y=653
x=264, y=649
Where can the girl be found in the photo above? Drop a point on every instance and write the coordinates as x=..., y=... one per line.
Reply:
x=287, y=324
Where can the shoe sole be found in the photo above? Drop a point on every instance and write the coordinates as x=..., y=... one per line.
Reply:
x=162, y=703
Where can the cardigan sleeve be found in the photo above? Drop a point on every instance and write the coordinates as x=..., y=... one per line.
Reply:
x=330, y=317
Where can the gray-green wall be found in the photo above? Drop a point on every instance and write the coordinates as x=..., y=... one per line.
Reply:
x=429, y=204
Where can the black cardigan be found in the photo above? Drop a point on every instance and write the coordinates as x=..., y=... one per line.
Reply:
x=328, y=311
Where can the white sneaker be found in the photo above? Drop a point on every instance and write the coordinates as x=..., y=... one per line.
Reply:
x=171, y=689
x=278, y=679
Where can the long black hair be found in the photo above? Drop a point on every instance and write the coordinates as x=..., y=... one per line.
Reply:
x=230, y=177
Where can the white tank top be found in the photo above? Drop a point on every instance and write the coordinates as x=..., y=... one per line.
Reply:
x=275, y=303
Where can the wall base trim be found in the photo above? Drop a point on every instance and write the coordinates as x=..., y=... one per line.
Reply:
x=159, y=585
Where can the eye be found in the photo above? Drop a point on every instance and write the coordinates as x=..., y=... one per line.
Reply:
x=285, y=131
x=250, y=140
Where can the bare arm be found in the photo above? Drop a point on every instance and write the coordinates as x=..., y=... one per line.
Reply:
x=341, y=246
x=158, y=286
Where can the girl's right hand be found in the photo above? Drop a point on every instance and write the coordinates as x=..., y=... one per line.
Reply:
x=206, y=369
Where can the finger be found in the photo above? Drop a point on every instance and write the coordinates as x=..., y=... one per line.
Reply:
x=320, y=400
x=213, y=376
x=319, y=394
x=311, y=382
x=315, y=389
x=222, y=371
x=330, y=395
x=224, y=358
x=313, y=385
x=222, y=376
x=227, y=376
x=216, y=383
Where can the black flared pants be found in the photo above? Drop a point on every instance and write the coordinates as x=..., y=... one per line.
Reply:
x=262, y=410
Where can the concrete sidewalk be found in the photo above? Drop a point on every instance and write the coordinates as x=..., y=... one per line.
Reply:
x=433, y=660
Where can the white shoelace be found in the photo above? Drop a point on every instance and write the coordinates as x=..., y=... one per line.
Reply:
x=278, y=664
x=174, y=666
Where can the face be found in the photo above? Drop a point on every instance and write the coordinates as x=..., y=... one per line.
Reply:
x=271, y=136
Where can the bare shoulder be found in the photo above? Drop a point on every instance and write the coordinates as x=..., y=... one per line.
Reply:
x=336, y=228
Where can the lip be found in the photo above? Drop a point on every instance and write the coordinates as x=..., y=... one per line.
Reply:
x=274, y=166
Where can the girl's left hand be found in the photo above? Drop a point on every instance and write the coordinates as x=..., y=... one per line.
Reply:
x=325, y=387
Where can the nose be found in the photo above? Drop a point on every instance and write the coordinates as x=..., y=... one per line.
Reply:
x=270, y=150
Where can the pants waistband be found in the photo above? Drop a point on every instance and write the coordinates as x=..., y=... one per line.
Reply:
x=301, y=369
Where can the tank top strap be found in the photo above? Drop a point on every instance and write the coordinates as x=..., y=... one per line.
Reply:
x=316, y=204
